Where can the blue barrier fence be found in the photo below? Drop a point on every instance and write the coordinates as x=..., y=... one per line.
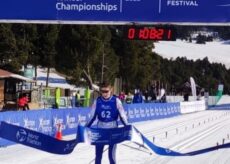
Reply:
x=46, y=120
x=220, y=107
x=151, y=111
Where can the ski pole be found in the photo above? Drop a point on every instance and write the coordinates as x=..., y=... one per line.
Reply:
x=148, y=152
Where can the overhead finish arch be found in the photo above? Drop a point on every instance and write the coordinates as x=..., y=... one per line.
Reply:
x=116, y=11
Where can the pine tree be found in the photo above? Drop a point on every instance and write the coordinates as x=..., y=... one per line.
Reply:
x=8, y=49
x=83, y=49
x=47, y=46
x=138, y=64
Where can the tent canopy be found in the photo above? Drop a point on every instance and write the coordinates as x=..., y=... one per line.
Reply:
x=5, y=74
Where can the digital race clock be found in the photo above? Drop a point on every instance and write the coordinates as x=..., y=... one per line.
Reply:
x=150, y=33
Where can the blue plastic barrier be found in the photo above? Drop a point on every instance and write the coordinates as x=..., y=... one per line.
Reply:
x=151, y=111
x=220, y=107
x=46, y=120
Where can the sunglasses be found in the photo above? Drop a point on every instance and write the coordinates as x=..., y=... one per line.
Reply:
x=104, y=91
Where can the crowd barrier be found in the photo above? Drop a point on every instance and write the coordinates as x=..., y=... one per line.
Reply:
x=46, y=121
x=220, y=107
x=151, y=111
x=192, y=106
x=212, y=100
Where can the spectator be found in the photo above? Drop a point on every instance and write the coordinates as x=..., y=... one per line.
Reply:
x=163, y=99
x=122, y=96
x=137, y=98
x=21, y=102
x=153, y=94
x=78, y=99
x=186, y=96
x=26, y=100
x=162, y=95
x=129, y=98
x=146, y=95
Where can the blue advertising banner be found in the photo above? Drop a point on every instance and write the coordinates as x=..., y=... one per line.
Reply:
x=91, y=136
x=151, y=111
x=220, y=107
x=46, y=121
x=75, y=11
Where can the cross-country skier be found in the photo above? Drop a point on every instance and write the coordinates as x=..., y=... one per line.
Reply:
x=108, y=110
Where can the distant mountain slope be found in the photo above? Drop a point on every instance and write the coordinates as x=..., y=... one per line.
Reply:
x=216, y=51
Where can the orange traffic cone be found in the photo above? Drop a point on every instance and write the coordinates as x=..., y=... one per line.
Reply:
x=59, y=132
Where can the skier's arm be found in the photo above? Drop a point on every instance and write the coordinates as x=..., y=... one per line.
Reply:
x=92, y=115
x=121, y=111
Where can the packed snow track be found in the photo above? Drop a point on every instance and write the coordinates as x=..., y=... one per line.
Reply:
x=183, y=133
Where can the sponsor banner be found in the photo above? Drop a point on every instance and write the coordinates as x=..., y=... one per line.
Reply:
x=151, y=111
x=95, y=136
x=220, y=107
x=35, y=139
x=52, y=80
x=64, y=11
x=92, y=136
x=46, y=121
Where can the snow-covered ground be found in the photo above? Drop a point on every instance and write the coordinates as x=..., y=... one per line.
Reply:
x=185, y=133
x=216, y=51
x=57, y=80
x=225, y=99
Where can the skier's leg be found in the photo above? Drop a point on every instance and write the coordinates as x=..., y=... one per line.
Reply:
x=112, y=154
x=99, y=152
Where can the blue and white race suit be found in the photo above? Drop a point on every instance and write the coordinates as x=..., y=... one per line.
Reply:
x=106, y=113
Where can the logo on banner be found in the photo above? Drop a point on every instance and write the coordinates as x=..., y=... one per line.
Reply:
x=157, y=111
x=30, y=124
x=152, y=113
x=57, y=121
x=71, y=122
x=45, y=125
x=85, y=6
x=136, y=113
x=147, y=112
x=131, y=113
x=142, y=112
x=21, y=135
x=69, y=146
x=174, y=109
x=182, y=3
x=168, y=151
x=93, y=136
x=82, y=118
